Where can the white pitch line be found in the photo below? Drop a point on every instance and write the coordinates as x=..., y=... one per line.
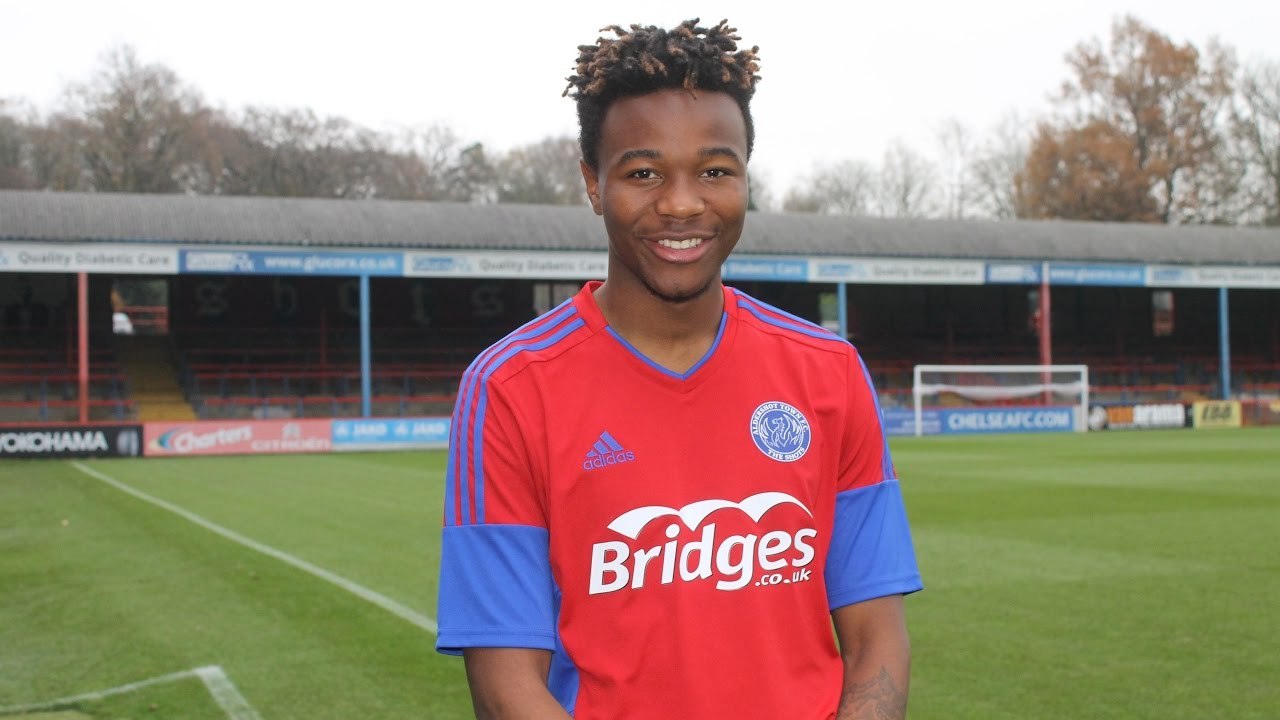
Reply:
x=220, y=687
x=224, y=693
x=401, y=611
x=99, y=695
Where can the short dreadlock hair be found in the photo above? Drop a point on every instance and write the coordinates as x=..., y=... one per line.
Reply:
x=647, y=59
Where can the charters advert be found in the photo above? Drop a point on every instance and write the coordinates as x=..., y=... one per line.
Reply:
x=231, y=437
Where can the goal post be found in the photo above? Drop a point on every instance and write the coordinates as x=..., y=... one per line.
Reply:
x=1001, y=398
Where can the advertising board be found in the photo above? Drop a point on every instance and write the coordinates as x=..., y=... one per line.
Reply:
x=744, y=267
x=1216, y=414
x=280, y=262
x=391, y=434
x=1149, y=416
x=1213, y=276
x=970, y=421
x=1260, y=411
x=902, y=421
x=480, y=264
x=237, y=437
x=86, y=257
x=896, y=271
x=1097, y=274
x=1008, y=273
x=70, y=441
x=1032, y=419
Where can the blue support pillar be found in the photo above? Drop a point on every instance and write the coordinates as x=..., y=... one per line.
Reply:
x=1224, y=343
x=366, y=363
x=842, y=309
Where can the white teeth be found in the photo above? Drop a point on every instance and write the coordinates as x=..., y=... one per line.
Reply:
x=680, y=244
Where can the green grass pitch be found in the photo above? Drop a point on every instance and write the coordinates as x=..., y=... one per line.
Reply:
x=1123, y=575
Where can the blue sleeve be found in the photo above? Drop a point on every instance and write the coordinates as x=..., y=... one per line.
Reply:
x=496, y=589
x=871, y=554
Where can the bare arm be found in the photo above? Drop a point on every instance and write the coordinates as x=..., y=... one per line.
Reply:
x=877, y=659
x=511, y=684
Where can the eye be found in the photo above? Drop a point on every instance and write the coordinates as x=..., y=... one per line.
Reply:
x=642, y=174
x=718, y=172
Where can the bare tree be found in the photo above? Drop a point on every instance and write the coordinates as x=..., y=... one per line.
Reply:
x=1256, y=127
x=57, y=160
x=229, y=159
x=760, y=192
x=802, y=199
x=545, y=172
x=420, y=160
x=957, y=153
x=847, y=187
x=14, y=173
x=433, y=163
x=907, y=184
x=996, y=166
x=472, y=178
x=136, y=125
x=296, y=153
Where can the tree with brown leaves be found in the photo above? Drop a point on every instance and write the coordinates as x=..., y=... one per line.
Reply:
x=1087, y=173
x=1141, y=112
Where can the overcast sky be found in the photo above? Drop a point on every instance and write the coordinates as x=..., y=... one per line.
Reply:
x=841, y=82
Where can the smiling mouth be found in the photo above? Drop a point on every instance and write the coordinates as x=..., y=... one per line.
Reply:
x=680, y=244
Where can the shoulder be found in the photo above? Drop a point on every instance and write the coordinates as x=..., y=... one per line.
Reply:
x=789, y=333
x=542, y=339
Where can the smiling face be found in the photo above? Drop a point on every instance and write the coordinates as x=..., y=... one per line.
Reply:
x=672, y=188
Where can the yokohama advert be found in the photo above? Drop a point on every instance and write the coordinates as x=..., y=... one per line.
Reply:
x=70, y=441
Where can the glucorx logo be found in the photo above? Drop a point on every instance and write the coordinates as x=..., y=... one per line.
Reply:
x=605, y=452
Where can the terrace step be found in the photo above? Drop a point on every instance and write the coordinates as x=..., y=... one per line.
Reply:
x=148, y=368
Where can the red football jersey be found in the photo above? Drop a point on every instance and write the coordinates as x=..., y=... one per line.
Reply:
x=677, y=540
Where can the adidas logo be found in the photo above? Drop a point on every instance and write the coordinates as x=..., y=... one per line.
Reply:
x=606, y=451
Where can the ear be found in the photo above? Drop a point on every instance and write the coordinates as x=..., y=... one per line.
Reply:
x=592, y=180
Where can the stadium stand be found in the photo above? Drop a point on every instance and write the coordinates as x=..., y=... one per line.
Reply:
x=303, y=372
x=226, y=366
x=269, y=374
x=39, y=382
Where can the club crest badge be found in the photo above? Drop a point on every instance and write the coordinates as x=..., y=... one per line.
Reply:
x=780, y=431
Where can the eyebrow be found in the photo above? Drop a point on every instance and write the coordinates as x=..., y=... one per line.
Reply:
x=704, y=152
x=720, y=152
x=633, y=154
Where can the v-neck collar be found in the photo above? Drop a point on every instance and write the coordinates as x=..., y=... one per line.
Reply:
x=682, y=382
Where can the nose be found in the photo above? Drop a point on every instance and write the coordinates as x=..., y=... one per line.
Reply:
x=681, y=198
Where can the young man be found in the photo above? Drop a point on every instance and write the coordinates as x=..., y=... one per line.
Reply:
x=662, y=493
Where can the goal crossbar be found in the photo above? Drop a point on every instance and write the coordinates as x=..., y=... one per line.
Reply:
x=1079, y=387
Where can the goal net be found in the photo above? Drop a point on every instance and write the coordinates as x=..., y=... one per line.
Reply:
x=1000, y=398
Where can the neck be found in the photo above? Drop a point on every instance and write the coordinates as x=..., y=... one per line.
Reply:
x=674, y=335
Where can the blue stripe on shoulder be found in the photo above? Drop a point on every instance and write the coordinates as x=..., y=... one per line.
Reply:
x=787, y=321
x=470, y=379
x=567, y=325
x=886, y=460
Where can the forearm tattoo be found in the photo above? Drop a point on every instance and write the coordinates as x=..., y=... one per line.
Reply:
x=876, y=699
